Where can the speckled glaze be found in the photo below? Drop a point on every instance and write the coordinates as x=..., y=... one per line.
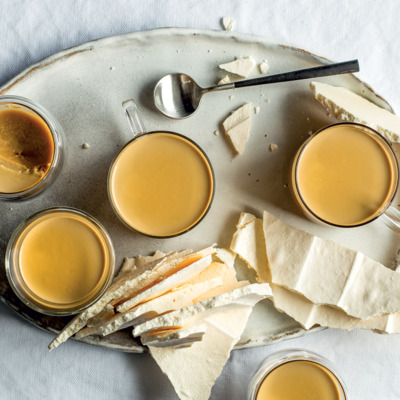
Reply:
x=84, y=87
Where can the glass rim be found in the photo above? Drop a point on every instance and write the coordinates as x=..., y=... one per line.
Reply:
x=10, y=265
x=387, y=147
x=210, y=200
x=282, y=357
x=55, y=131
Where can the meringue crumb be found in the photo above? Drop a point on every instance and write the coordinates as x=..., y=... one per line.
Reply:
x=228, y=23
x=310, y=133
x=273, y=147
x=241, y=66
x=256, y=109
x=263, y=67
x=112, y=68
x=216, y=133
x=85, y=146
x=231, y=97
x=266, y=100
x=224, y=80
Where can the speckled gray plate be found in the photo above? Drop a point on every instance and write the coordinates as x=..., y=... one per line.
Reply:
x=84, y=87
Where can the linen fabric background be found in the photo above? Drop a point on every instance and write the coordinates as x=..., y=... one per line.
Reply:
x=339, y=30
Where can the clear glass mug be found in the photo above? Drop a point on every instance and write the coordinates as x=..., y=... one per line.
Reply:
x=335, y=387
x=30, y=185
x=161, y=184
x=307, y=185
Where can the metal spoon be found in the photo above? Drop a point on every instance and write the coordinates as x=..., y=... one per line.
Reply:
x=178, y=95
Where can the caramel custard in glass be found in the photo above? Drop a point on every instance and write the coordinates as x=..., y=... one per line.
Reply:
x=296, y=374
x=26, y=148
x=161, y=184
x=345, y=175
x=60, y=261
x=300, y=380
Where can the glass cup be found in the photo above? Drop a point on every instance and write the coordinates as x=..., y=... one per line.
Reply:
x=318, y=378
x=79, y=246
x=161, y=184
x=19, y=175
x=346, y=175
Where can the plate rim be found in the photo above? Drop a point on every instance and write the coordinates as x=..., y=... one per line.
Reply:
x=103, y=41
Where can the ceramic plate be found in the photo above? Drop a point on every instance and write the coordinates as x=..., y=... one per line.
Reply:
x=84, y=88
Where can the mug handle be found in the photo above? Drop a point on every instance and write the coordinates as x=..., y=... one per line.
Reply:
x=132, y=113
x=391, y=218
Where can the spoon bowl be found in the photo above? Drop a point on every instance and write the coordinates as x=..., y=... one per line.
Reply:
x=178, y=95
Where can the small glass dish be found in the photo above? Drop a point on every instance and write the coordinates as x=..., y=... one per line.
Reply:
x=337, y=173
x=284, y=357
x=38, y=116
x=59, y=261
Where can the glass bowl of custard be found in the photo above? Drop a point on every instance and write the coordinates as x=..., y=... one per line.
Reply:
x=161, y=184
x=31, y=148
x=60, y=261
x=296, y=374
x=345, y=175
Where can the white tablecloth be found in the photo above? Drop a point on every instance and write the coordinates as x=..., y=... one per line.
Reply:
x=339, y=30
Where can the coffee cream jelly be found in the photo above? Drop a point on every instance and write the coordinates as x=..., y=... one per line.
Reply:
x=26, y=149
x=161, y=184
x=300, y=380
x=63, y=261
x=346, y=175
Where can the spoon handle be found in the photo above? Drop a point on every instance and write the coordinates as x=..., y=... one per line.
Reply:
x=316, y=72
